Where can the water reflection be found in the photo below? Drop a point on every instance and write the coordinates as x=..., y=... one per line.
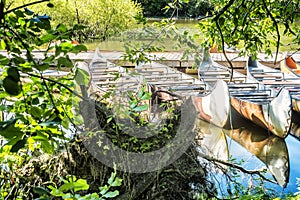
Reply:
x=258, y=149
x=268, y=148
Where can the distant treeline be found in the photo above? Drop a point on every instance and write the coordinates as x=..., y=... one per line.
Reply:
x=192, y=9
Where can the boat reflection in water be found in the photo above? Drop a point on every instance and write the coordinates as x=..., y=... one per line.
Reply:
x=269, y=149
x=211, y=140
x=295, y=130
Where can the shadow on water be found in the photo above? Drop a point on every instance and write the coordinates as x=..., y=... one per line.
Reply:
x=253, y=148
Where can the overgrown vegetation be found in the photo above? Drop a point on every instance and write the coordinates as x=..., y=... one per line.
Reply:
x=42, y=155
x=101, y=19
x=180, y=8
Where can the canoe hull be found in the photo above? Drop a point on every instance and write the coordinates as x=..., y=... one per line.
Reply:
x=274, y=116
x=215, y=106
x=286, y=69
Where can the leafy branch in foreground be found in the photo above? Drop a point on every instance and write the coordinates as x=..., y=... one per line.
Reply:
x=36, y=95
x=253, y=26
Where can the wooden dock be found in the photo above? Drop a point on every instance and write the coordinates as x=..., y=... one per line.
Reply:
x=175, y=59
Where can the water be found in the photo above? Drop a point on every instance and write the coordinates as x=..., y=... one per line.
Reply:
x=117, y=42
x=252, y=148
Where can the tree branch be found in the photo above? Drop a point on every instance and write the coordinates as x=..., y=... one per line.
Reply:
x=251, y=172
x=61, y=84
x=25, y=5
x=277, y=29
x=223, y=49
x=224, y=9
x=216, y=18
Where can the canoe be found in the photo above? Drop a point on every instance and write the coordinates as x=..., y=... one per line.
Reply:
x=276, y=79
x=268, y=148
x=165, y=85
x=251, y=99
x=288, y=65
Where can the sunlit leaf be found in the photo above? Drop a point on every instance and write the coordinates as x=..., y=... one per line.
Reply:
x=111, y=194
x=117, y=182
x=141, y=108
x=62, y=28
x=3, y=44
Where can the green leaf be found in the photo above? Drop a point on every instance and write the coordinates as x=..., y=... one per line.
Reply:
x=133, y=104
x=80, y=184
x=49, y=59
x=62, y=28
x=111, y=178
x=56, y=192
x=79, y=48
x=146, y=96
x=13, y=72
x=47, y=38
x=18, y=145
x=82, y=77
x=3, y=44
x=11, y=86
x=111, y=194
x=66, y=46
x=140, y=94
x=50, y=5
x=36, y=112
x=8, y=129
x=117, y=182
x=103, y=189
x=42, y=67
x=47, y=146
x=40, y=137
x=141, y=108
x=40, y=190
x=57, y=51
x=4, y=60
x=64, y=62
x=19, y=13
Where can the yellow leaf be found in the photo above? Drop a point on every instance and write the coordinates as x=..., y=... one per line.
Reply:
x=31, y=143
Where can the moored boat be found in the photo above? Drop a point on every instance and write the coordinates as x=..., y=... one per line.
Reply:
x=251, y=99
x=275, y=79
x=165, y=85
x=289, y=66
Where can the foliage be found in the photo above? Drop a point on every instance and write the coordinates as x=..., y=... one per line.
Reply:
x=37, y=107
x=101, y=18
x=254, y=25
x=70, y=187
x=183, y=8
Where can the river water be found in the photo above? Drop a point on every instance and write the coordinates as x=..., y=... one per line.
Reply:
x=252, y=148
